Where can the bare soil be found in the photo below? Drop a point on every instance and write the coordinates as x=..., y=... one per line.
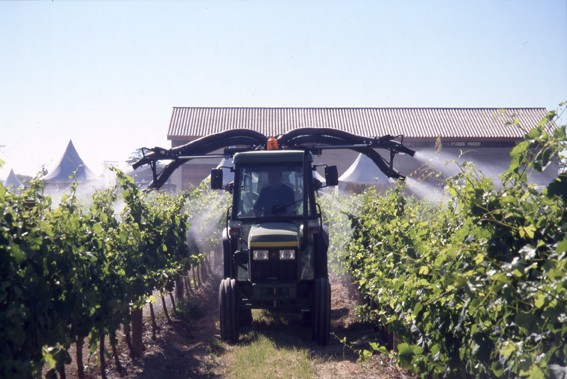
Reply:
x=189, y=346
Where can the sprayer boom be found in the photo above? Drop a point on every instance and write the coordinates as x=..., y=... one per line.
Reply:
x=313, y=140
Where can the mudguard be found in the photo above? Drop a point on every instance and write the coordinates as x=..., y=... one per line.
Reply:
x=321, y=264
x=227, y=254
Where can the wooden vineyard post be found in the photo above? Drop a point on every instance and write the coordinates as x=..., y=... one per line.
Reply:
x=137, y=329
x=179, y=288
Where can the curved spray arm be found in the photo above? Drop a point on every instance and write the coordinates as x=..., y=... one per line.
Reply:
x=307, y=139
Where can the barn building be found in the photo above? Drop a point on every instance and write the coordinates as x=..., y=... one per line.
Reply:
x=484, y=136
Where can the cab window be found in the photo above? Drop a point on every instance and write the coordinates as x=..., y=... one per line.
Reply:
x=270, y=191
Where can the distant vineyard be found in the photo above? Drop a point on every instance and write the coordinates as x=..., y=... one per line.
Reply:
x=475, y=286
x=74, y=272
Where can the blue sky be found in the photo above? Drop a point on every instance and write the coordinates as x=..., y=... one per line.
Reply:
x=107, y=74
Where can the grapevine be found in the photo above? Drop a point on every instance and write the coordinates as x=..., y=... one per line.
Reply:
x=475, y=287
x=72, y=271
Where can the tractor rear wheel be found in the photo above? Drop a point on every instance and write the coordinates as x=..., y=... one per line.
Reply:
x=245, y=317
x=307, y=317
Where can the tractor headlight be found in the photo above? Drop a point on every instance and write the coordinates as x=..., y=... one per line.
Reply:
x=260, y=255
x=287, y=254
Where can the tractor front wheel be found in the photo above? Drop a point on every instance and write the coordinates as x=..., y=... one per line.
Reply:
x=227, y=311
x=321, y=322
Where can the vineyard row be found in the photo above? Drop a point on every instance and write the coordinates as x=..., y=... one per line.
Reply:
x=72, y=272
x=475, y=286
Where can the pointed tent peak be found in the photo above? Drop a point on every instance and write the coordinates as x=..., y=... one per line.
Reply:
x=364, y=171
x=71, y=152
x=70, y=164
x=12, y=181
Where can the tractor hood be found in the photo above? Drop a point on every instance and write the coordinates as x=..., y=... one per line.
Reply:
x=273, y=234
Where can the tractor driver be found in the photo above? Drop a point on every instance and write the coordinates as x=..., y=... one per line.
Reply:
x=276, y=198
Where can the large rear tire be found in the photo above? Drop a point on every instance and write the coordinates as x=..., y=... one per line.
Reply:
x=321, y=325
x=227, y=311
x=245, y=317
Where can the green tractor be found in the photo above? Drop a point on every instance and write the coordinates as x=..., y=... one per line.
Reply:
x=274, y=241
x=274, y=244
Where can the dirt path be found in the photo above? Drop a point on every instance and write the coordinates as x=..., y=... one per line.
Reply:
x=190, y=346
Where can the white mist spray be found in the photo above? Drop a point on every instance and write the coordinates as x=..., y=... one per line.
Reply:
x=425, y=191
x=336, y=207
x=205, y=215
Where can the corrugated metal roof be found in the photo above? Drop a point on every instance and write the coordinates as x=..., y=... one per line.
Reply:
x=413, y=123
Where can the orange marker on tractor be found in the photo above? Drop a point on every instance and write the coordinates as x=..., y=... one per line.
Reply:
x=272, y=144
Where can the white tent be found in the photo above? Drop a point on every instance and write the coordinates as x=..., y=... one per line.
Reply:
x=71, y=168
x=227, y=173
x=363, y=173
x=319, y=177
x=12, y=181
